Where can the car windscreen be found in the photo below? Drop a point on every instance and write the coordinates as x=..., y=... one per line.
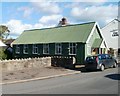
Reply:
x=92, y=58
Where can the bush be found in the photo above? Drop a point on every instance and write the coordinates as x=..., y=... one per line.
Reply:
x=2, y=54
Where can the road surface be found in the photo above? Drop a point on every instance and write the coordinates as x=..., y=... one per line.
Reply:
x=105, y=82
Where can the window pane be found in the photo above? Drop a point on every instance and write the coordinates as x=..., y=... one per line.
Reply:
x=46, y=48
x=35, y=49
x=72, y=48
x=25, y=49
x=58, y=48
x=17, y=49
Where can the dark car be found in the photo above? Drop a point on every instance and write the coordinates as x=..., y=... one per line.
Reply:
x=100, y=61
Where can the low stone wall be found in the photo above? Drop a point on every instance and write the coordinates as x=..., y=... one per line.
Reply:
x=19, y=64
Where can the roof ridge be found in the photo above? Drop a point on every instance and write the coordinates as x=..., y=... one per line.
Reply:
x=110, y=22
x=62, y=26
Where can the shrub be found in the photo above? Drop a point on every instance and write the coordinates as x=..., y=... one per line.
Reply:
x=2, y=54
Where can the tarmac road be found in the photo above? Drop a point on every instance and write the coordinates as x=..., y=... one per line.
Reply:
x=105, y=82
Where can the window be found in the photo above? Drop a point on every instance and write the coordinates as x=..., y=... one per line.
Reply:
x=103, y=56
x=107, y=56
x=58, y=48
x=91, y=58
x=45, y=48
x=17, y=49
x=25, y=49
x=72, y=48
x=99, y=57
x=35, y=49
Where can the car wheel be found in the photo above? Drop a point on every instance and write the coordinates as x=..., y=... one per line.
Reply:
x=115, y=65
x=102, y=68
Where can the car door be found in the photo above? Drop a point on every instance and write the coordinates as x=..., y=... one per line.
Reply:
x=103, y=60
x=106, y=61
x=112, y=61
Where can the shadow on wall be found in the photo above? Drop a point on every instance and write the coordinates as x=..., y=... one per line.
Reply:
x=113, y=76
x=62, y=62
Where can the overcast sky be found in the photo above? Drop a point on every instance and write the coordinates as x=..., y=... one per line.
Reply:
x=20, y=16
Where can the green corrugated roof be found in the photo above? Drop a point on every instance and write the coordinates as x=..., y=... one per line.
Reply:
x=69, y=33
x=97, y=42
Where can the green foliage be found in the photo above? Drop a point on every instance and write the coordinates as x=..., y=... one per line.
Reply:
x=4, y=32
x=2, y=54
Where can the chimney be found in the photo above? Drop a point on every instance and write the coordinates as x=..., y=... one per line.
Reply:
x=63, y=22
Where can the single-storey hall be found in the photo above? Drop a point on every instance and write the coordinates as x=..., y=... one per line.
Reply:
x=78, y=40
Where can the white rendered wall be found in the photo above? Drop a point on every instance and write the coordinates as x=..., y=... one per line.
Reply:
x=108, y=31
